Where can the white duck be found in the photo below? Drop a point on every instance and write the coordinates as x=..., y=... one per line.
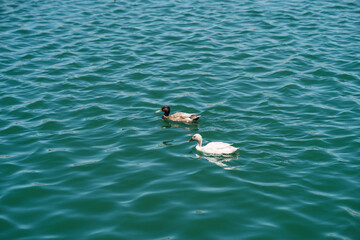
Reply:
x=213, y=148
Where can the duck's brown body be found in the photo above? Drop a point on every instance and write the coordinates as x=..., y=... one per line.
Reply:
x=179, y=116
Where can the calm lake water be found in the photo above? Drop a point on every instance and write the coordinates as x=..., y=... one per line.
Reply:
x=83, y=155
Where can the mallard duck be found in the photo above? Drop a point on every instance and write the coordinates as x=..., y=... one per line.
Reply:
x=213, y=148
x=179, y=116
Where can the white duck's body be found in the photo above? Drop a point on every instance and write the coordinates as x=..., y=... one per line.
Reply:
x=213, y=148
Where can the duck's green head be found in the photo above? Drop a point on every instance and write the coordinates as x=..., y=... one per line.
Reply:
x=165, y=109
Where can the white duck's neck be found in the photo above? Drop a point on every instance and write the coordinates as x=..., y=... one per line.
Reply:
x=199, y=143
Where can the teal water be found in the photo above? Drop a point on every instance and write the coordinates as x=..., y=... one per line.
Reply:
x=83, y=155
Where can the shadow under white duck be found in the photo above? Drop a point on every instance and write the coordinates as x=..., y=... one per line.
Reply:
x=220, y=161
x=179, y=116
x=213, y=148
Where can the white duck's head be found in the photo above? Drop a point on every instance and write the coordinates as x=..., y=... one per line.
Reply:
x=197, y=137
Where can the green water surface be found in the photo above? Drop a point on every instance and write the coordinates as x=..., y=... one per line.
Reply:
x=83, y=155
